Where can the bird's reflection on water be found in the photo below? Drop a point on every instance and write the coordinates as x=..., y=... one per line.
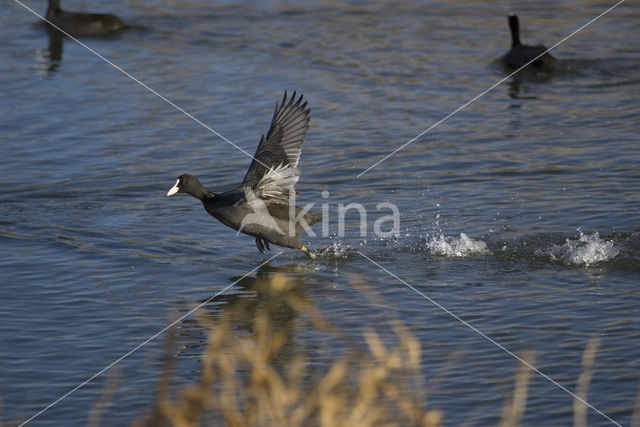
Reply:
x=57, y=39
x=276, y=294
x=526, y=76
x=55, y=48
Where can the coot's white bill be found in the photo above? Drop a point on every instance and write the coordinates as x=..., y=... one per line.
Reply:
x=174, y=189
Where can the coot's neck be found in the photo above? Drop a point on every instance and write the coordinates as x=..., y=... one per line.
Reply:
x=202, y=194
x=515, y=31
x=53, y=9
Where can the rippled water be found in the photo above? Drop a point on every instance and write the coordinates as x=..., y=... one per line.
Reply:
x=519, y=214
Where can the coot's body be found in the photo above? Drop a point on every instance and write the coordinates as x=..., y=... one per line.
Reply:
x=271, y=226
x=80, y=23
x=520, y=54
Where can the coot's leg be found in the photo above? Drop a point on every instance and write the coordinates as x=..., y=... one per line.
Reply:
x=259, y=245
x=266, y=244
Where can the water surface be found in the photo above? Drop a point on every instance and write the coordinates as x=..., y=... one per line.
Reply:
x=94, y=257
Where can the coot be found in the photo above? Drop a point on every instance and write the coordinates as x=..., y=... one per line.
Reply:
x=520, y=54
x=262, y=205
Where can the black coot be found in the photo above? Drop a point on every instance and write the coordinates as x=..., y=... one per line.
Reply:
x=260, y=206
x=80, y=23
x=520, y=54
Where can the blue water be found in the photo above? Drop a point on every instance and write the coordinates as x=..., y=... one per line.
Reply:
x=94, y=257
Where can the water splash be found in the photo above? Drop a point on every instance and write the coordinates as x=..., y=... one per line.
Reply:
x=456, y=247
x=449, y=246
x=586, y=250
x=335, y=250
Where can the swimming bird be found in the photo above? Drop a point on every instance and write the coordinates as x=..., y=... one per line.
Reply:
x=263, y=206
x=520, y=54
x=80, y=23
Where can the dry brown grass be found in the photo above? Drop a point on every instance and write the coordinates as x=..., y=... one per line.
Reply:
x=239, y=384
x=372, y=384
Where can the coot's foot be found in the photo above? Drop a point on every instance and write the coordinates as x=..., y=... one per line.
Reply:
x=308, y=252
x=259, y=244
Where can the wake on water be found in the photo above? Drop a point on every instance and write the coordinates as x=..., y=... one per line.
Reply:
x=586, y=250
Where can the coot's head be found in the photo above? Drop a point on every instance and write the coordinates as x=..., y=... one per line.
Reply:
x=188, y=184
x=515, y=30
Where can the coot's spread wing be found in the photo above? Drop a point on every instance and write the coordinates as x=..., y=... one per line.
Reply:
x=278, y=154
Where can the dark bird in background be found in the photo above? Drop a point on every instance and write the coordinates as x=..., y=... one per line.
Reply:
x=80, y=23
x=261, y=205
x=520, y=54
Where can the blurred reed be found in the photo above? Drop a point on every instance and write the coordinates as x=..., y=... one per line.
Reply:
x=371, y=384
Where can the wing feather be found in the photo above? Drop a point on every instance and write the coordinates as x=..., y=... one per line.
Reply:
x=277, y=184
x=279, y=152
